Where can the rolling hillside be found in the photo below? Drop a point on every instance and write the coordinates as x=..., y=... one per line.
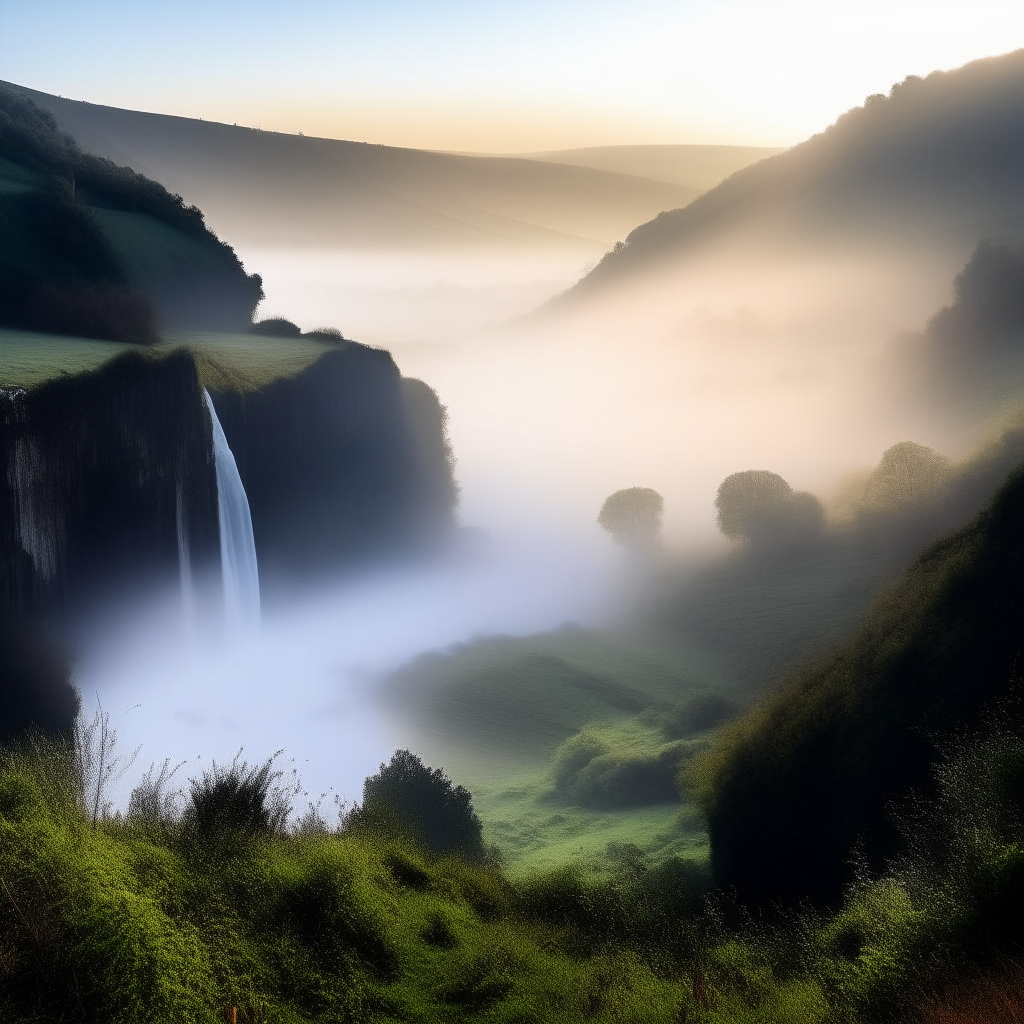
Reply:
x=696, y=167
x=936, y=165
x=268, y=188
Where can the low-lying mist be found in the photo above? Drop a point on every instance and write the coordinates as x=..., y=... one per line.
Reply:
x=674, y=382
x=306, y=680
x=671, y=382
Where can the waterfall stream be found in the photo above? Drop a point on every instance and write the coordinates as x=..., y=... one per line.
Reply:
x=239, y=572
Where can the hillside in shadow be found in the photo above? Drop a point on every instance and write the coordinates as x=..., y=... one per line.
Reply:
x=937, y=163
x=95, y=249
x=269, y=188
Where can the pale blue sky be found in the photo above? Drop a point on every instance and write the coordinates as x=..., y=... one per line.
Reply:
x=499, y=76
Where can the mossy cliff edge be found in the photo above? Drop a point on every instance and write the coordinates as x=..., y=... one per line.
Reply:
x=109, y=480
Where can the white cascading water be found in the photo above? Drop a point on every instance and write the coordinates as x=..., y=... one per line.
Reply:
x=239, y=572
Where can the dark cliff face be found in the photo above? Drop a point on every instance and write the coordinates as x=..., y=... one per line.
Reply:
x=104, y=473
x=108, y=477
x=35, y=683
x=340, y=463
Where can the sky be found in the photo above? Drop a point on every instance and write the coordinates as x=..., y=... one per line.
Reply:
x=498, y=76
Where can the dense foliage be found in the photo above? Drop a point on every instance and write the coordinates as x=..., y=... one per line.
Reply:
x=760, y=508
x=633, y=516
x=802, y=781
x=407, y=795
x=145, y=918
x=63, y=269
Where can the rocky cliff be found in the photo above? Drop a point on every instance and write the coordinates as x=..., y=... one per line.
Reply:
x=108, y=477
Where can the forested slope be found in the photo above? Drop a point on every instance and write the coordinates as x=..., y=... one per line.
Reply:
x=804, y=781
x=98, y=250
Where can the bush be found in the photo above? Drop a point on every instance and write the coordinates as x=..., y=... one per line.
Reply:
x=236, y=801
x=700, y=713
x=591, y=770
x=760, y=508
x=407, y=796
x=633, y=516
x=325, y=334
x=276, y=327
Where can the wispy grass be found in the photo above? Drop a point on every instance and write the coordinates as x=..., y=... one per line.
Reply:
x=127, y=922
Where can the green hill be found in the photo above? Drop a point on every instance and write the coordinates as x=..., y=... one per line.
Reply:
x=802, y=783
x=98, y=250
x=272, y=188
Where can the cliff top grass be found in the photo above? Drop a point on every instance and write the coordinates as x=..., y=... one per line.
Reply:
x=238, y=361
x=245, y=362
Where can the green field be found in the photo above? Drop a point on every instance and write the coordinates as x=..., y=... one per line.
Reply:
x=28, y=358
x=239, y=360
x=498, y=713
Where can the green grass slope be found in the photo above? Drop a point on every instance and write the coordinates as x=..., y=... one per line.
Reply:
x=554, y=736
x=141, y=920
x=225, y=358
x=165, y=915
x=794, y=788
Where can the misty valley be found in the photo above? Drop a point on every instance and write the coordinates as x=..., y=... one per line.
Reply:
x=579, y=585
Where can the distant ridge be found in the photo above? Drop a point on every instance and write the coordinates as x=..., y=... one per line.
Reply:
x=269, y=188
x=697, y=167
x=938, y=163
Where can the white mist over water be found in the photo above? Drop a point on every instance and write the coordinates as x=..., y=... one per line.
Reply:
x=673, y=386
x=308, y=681
x=239, y=571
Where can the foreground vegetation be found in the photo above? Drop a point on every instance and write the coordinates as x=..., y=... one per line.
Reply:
x=179, y=910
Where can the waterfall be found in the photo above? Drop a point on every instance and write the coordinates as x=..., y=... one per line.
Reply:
x=239, y=572
x=184, y=562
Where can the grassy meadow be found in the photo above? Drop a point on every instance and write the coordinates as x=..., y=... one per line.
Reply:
x=236, y=359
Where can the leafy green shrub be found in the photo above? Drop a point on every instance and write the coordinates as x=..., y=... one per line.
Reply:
x=407, y=796
x=236, y=800
x=591, y=770
x=700, y=713
x=481, y=981
x=325, y=905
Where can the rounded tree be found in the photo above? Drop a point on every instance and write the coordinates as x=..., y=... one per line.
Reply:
x=907, y=473
x=409, y=796
x=633, y=516
x=751, y=505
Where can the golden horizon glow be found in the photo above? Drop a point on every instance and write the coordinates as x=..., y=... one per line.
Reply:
x=462, y=77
